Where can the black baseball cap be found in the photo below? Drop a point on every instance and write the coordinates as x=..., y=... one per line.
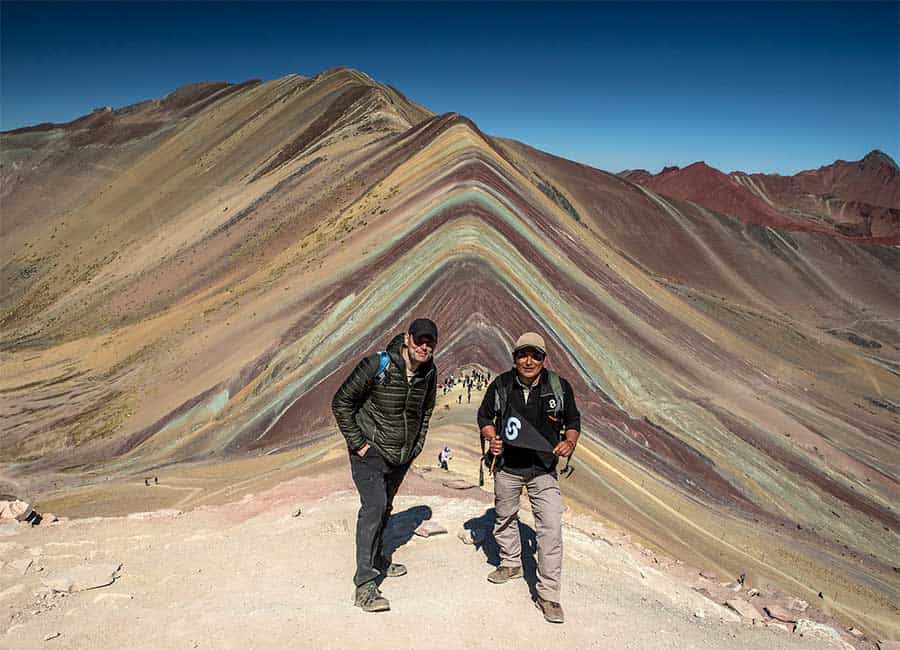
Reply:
x=423, y=327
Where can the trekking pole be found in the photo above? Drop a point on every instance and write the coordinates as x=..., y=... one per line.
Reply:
x=481, y=462
x=566, y=471
x=494, y=461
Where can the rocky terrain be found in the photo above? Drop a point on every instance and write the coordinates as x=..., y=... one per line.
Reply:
x=186, y=281
x=274, y=568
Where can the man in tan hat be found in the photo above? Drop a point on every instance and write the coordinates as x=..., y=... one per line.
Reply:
x=529, y=417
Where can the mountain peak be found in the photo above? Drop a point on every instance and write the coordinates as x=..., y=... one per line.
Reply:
x=701, y=165
x=878, y=157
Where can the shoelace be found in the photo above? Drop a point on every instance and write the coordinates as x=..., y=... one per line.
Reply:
x=371, y=595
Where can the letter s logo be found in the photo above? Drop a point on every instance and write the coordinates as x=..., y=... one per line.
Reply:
x=512, y=428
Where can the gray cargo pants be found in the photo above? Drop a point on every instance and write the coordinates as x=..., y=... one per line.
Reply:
x=547, y=507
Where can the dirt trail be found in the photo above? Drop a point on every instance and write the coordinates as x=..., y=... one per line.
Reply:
x=252, y=574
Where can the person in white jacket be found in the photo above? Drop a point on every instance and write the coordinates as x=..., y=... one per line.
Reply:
x=444, y=458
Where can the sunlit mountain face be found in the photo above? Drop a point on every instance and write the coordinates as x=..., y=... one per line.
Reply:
x=191, y=278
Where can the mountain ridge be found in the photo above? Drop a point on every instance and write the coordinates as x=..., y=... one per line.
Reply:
x=196, y=294
x=858, y=200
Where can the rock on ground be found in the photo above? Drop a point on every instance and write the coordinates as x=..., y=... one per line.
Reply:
x=429, y=529
x=745, y=609
x=83, y=578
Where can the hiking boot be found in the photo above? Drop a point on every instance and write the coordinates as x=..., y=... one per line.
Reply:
x=369, y=598
x=394, y=570
x=552, y=612
x=504, y=574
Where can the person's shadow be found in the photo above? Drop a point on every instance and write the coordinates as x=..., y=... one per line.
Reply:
x=401, y=526
x=482, y=530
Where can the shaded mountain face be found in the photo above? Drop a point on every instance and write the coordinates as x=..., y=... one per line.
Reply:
x=191, y=279
x=859, y=201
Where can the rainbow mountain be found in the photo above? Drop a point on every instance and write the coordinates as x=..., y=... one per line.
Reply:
x=189, y=279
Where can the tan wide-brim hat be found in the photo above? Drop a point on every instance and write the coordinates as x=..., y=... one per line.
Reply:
x=530, y=340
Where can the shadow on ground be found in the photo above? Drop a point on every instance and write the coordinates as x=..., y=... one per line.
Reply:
x=482, y=529
x=401, y=527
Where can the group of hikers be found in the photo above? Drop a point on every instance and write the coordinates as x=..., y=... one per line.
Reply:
x=477, y=380
x=527, y=419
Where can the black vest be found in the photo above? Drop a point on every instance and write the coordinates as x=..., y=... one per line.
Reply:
x=538, y=411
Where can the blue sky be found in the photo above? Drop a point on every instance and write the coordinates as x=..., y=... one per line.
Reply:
x=756, y=86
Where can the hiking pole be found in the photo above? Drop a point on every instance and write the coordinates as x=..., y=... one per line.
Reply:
x=566, y=471
x=481, y=463
x=494, y=461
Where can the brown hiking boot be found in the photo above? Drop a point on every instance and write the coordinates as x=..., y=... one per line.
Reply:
x=369, y=598
x=552, y=612
x=504, y=574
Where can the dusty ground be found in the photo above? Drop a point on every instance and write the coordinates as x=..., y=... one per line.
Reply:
x=251, y=574
x=230, y=507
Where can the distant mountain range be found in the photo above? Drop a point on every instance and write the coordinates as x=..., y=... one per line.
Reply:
x=188, y=280
x=855, y=200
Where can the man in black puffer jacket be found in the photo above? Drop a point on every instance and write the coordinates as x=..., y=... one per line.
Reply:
x=383, y=409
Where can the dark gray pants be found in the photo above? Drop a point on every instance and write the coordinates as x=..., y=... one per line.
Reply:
x=377, y=482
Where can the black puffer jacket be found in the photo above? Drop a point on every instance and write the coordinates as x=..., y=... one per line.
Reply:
x=392, y=415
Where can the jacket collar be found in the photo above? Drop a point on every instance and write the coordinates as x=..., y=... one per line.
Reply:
x=536, y=384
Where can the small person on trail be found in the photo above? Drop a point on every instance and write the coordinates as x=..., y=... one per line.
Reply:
x=529, y=417
x=444, y=458
x=383, y=409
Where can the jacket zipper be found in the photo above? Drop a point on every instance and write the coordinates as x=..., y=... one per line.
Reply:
x=406, y=441
x=405, y=423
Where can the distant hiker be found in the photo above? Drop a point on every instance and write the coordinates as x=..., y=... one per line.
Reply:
x=444, y=457
x=383, y=409
x=534, y=411
x=459, y=399
x=147, y=482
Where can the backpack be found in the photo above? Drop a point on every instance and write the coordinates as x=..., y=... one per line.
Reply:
x=384, y=360
x=501, y=398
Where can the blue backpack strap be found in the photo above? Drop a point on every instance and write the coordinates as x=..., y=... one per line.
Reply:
x=384, y=360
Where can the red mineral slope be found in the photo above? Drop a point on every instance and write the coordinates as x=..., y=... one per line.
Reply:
x=854, y=200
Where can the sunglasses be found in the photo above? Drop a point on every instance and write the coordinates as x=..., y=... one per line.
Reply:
x=424, y=340
x=537, y=355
